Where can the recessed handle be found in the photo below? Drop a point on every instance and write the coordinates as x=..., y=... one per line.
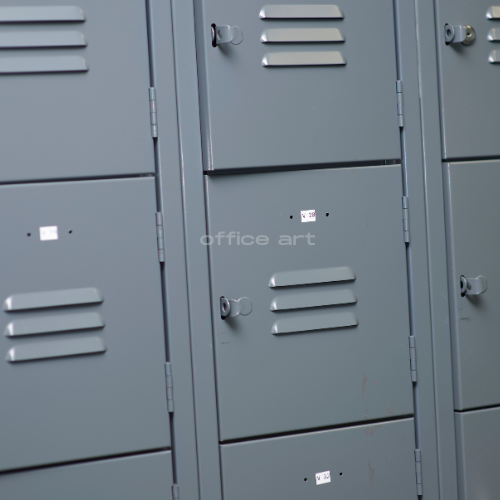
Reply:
x=459, y=34
x=230, y=308
x=473, y=286
x=226, y=34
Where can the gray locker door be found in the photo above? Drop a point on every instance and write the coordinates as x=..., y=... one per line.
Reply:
x=374, y=461
x=478, y=448
x=74, y=80
x=469, y=79
x=309, y=83
x=82, y=350
x=327, y=340
x=472, y=219
x=145, y=476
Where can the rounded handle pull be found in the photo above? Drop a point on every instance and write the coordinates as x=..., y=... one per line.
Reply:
x=473, y=286
x=230, y=308
x=226, y=34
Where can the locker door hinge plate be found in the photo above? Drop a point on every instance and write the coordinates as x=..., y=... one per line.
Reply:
x=170, y=387
x=159, y=237
x=406, y=219
x=418, y=471
x=413, y=358
x=175, y=492
x=399, y=94
x=152, y=112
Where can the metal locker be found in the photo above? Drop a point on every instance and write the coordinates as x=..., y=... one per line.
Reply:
x=368, y=461
x=293, y=83
x=146, y=476
x=472, y=215
x=478, y=445
x=468, y=39
x=309, y=297
x=82, y=370
x=74, y=78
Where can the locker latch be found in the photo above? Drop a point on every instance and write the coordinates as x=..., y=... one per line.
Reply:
x=473, y=286
x=230, y=308
x=459, y=34
x=226, y=34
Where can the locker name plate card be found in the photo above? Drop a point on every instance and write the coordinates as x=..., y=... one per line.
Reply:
x=48, y=233
x=308, y=215
x=323, y=477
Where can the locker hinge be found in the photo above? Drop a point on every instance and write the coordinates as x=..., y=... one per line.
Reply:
x=152, y=112
x=413, y=358
x=418, y=471
x=406, y=219
x=399, y=93
x=159, y=237
x=170, y=387
x=175, y=492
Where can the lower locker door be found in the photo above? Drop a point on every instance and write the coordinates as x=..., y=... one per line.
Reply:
x=472, y=219
x=82, y=350
x=354, y=463
x=147, y=477
x=311, y=266
x=478, y=449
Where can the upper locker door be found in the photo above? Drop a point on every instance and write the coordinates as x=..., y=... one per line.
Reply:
x=74, y=79
x=470, y=77
x=298, y=83
x=321, y=337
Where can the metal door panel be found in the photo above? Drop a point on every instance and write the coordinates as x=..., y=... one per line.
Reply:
x=369, y=461
x=469, y=81
x=478, y=445
x=317, y=361
x=472, y=215
x=129, y=478
x=75, y=84
x=83, y=352
x=309, y=84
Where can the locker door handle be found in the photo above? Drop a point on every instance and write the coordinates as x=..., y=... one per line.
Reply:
x=459, y=34
x=473, y=286
x=230, y=308
x=226, y=34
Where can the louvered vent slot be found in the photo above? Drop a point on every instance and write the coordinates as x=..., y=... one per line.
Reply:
x=494, y=35
x=493, y=13
x=53, y=324
x=328, y=296
x=36, y=39
x=308, y=35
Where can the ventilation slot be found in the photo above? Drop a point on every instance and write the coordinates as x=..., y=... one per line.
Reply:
x=296, y=36
x=301, y=35
x=41, y=14
x=313, y=299
x=301, y=12
x=494, y=57
x=57, y=298
x=54, y=324
x=493, y=13
x=291, y=303
x=56, y=349
x=312, y=276
x=24, y=39
x=30, y=39
x=311, y=323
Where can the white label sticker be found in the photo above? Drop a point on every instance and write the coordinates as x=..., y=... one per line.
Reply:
x=308, y=215
x=48, y=233
x=323, y=477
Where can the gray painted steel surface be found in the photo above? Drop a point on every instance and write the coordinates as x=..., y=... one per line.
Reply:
x=473, y=211
x=343, y=363
x=323, y=104
x=469, y=78
x=369, y=461
x=478, y=449
x=75, y=109
x=129, y=478
x=111, y=400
